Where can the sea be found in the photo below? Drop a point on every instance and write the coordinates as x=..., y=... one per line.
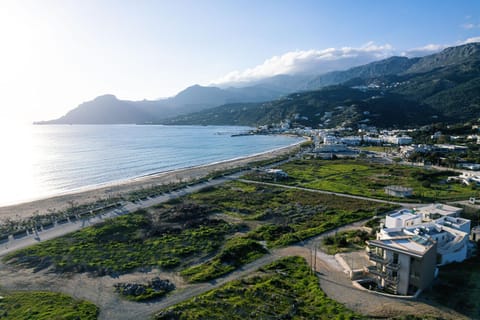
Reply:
x=38, y=161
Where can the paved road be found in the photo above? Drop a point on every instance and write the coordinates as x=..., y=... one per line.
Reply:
x=62, y=229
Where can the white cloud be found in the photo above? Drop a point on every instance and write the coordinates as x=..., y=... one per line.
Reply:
x=322, y=61
x=310, y=61
x=471, y=40
x=425, y=50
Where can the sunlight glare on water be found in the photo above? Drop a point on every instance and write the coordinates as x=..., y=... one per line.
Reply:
x=17, y=164
x=41, y=161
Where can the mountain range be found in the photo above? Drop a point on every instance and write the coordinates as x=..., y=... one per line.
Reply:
x=393, y=92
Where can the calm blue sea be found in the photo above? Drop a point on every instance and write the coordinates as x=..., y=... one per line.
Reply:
x=42, y=161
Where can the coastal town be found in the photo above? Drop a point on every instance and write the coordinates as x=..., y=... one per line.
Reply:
x=211, y=160
x=399, y=255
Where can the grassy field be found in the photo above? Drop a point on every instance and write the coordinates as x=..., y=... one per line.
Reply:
x=286, y=215
x=186, y=235
x=120, y=245
x=376, y=148
x=458, y=287
x=285, y=289
x=346, y=241
x=359, y=177
x=38, y=305
x=236, y=252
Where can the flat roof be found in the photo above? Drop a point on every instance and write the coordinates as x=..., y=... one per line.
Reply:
x=455, y=220
x=403, y=214
x=429, y=229
x=413, y=246
x=442, y=209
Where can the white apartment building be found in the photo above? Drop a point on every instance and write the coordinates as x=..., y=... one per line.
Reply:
x=437, y=222
x=413, y=242
x=402, y=265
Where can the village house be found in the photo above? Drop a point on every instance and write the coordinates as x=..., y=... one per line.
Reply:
x=398, y=191
x=422, y=238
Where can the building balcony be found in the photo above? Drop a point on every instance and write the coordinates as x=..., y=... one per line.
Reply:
x=375, y=257
x=391, y=280
x=393, y=266
x=373, y=270
x=387, y=277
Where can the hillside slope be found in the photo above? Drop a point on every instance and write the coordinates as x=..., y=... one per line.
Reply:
x=396, y=92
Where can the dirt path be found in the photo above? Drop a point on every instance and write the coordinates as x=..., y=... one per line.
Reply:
x=332, y=278
x=345, y=195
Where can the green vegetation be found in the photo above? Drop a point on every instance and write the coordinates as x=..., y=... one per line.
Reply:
x=462, y=279
x=345, y=241
x=374, y=224
x=237, y=252
x=37, y=305
x=362, y=178
x=156, y=288
x=286, y=215
x=390, y=109
x=184, y=232
x=377, y=148
x=285, y=289
x=46, y=220
x=444, y=87
x=140, y=239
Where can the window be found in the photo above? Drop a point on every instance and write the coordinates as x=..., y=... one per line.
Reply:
x=395, y=258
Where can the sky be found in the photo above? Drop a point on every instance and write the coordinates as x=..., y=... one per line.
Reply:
x=56, y=54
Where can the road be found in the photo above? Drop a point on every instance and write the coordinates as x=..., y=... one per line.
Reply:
x=128, y=207
x=403, y=204
x=100, y=290
x=331, y=275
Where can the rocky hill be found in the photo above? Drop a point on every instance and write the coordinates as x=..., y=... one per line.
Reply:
x=395, y=92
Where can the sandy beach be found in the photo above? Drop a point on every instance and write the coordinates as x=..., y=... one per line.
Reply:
x=60, y=202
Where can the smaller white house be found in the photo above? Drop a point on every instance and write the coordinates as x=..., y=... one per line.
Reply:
x=399, y=191
x=437, y=222
x=402, y=219
x=452, y=244
x=438, y=210
x=475, y=234
x=277, y=173
x=455, y=223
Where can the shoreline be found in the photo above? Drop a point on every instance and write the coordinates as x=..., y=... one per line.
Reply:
x=123, y=187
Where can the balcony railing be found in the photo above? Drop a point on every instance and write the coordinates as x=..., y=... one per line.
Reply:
x=393, y=266
x=389, y=279
x=375, y=271
x=376, y=257
x=388, y=263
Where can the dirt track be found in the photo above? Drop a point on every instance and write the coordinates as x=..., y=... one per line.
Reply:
x=100, y=290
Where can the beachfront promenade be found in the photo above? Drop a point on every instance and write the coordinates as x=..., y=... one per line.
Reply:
x=126, y=207
x=30, y=238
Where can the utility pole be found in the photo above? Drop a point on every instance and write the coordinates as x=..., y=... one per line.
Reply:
x=311, y=259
